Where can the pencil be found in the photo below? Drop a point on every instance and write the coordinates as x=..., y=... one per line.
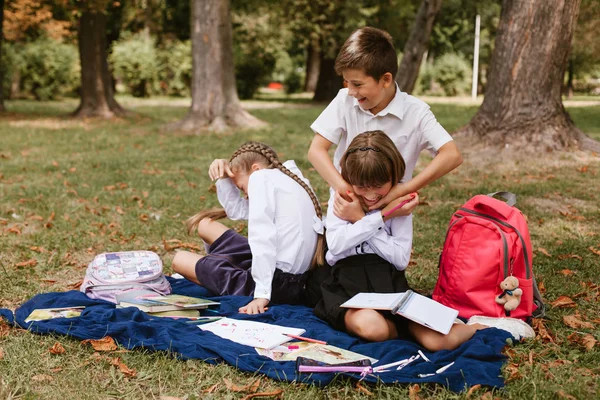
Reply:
x=305, y=338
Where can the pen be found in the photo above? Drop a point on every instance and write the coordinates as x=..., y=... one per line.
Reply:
x=412, y=196
x=423, y=356
x=445, y=367
x=305, y=338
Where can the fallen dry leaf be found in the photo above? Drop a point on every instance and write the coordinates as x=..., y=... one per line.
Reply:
x=55, y=370
x=128, y=372
x=574, y=322
x=105, y=344
x=42, y=378
x=566, y=272
x=57, y=348
x=211, y=388
x=542, y=332
x=75, y=285
x=1, y=353
x=593, y=250
x=170, y=398
x=363, y=389
x=413, y=392
x=473, y=389
x=563, y=301
x=588, y=341
x=274, y=393
x=513, y=372
x=251, y=387
x=544, y=252
x=29, y=263
x=561, y=394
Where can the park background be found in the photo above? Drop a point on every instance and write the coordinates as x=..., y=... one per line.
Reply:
x=84, y=171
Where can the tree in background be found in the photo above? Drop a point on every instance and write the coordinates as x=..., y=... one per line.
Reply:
x=215, y=103
x=97, y=91
x=523, y=107
x=417, y=44
x=2, y=109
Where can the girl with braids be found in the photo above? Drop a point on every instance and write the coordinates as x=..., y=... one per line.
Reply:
x=369, y=252
x=285, y=231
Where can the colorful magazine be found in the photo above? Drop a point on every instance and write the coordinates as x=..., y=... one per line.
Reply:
x=43, y=314
x=183, y=301
x=319, y=352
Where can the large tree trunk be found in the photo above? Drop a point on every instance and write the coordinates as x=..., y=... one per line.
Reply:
x=417, y=44
x=329, y=82
x=1, y=68
x=523, y=107
x=215, y=102
x=97, y=95
x=313, y=63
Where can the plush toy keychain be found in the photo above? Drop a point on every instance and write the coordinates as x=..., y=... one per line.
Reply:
x=511, y=294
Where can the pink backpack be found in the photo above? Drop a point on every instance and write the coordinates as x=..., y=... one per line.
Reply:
x=110, y=274
x=487, y=241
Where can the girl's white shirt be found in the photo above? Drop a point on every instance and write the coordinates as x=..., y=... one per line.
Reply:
x=391, y=240
x=280, y=223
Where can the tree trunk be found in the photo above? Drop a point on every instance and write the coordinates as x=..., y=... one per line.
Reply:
x=523, y=107
x=2, y=109
x=417, y=44
x=97, y=96
x=569, y=89
x=313, y=61
x=215, y=102
x=329, y=82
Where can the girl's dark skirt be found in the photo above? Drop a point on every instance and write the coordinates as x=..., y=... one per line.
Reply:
x=361, y=273
x=226, y=270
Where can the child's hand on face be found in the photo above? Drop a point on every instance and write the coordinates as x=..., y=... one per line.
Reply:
x=405, y=209
x=395, y=193
x=350, y=211
x=219, y=169
x=256, y=306
x=344, y=190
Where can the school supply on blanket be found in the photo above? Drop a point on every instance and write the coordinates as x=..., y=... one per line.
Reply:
x=148, y=301
x=112, y=273
x=251, y=333
x=43, y=314
x=411, y=305
x=398, y=364
x=305, y=338
x=487, y=241
x=314, y=351
x=176, y=314
x=203, y=320
x=306, y=365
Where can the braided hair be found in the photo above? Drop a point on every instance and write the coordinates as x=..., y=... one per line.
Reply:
x=242, y=160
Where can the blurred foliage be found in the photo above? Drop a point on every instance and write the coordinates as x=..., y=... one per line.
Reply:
x=450, y=73
x=28, y=20
x=49, y=69
x=175, y=67
x=585, y=53
x=135, y=63
x=11, y=65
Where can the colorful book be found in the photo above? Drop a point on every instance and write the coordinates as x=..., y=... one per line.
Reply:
x=43, y=314
x=183, y=301
x=410, y=305
x=324, y=353
x=176, y=314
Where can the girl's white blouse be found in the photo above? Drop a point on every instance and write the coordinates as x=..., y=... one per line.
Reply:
x=280, y=223
x=391, y=240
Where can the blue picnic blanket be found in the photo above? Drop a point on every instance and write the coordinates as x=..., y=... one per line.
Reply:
x=477, y=361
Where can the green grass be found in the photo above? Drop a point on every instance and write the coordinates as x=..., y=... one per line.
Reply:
x=71, y=189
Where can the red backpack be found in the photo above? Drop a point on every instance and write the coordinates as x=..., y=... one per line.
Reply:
x=487, y=241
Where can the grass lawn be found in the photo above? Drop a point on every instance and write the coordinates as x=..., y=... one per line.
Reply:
x=71, y=189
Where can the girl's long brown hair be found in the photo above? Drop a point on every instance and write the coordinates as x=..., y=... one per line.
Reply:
x=242, y=160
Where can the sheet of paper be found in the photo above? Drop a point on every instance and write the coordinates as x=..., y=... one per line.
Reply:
x=375, y=301
x=251, y=333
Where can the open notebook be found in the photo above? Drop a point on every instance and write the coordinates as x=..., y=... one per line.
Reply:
x=409, y=304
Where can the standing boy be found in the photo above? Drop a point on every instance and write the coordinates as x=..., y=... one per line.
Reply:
x=372, y=101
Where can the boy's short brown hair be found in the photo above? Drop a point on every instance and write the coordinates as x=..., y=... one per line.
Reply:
x=368, y=49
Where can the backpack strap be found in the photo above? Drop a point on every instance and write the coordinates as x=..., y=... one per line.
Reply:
x=508, y=197
x=540, y=312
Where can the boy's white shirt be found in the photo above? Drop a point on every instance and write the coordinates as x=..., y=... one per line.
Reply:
x=407, y=120
x=280, y=223
x=390, y=240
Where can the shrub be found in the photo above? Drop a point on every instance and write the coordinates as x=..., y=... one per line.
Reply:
x=175, y=68
x=50, y=69
x=11, y=65
x=453, y=74
x=135, y=64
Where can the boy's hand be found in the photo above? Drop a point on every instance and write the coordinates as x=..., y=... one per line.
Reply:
x=396, y=192
x=219, y=169
x=404, y=210
x=350, y=211
x=256, y=306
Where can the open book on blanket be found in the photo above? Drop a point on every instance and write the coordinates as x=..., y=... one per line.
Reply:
x=411, y=305
x=150, y=301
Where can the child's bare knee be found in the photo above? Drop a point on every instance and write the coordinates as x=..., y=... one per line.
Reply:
x=368, y=325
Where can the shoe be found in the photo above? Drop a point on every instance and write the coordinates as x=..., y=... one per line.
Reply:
x=516, y=327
